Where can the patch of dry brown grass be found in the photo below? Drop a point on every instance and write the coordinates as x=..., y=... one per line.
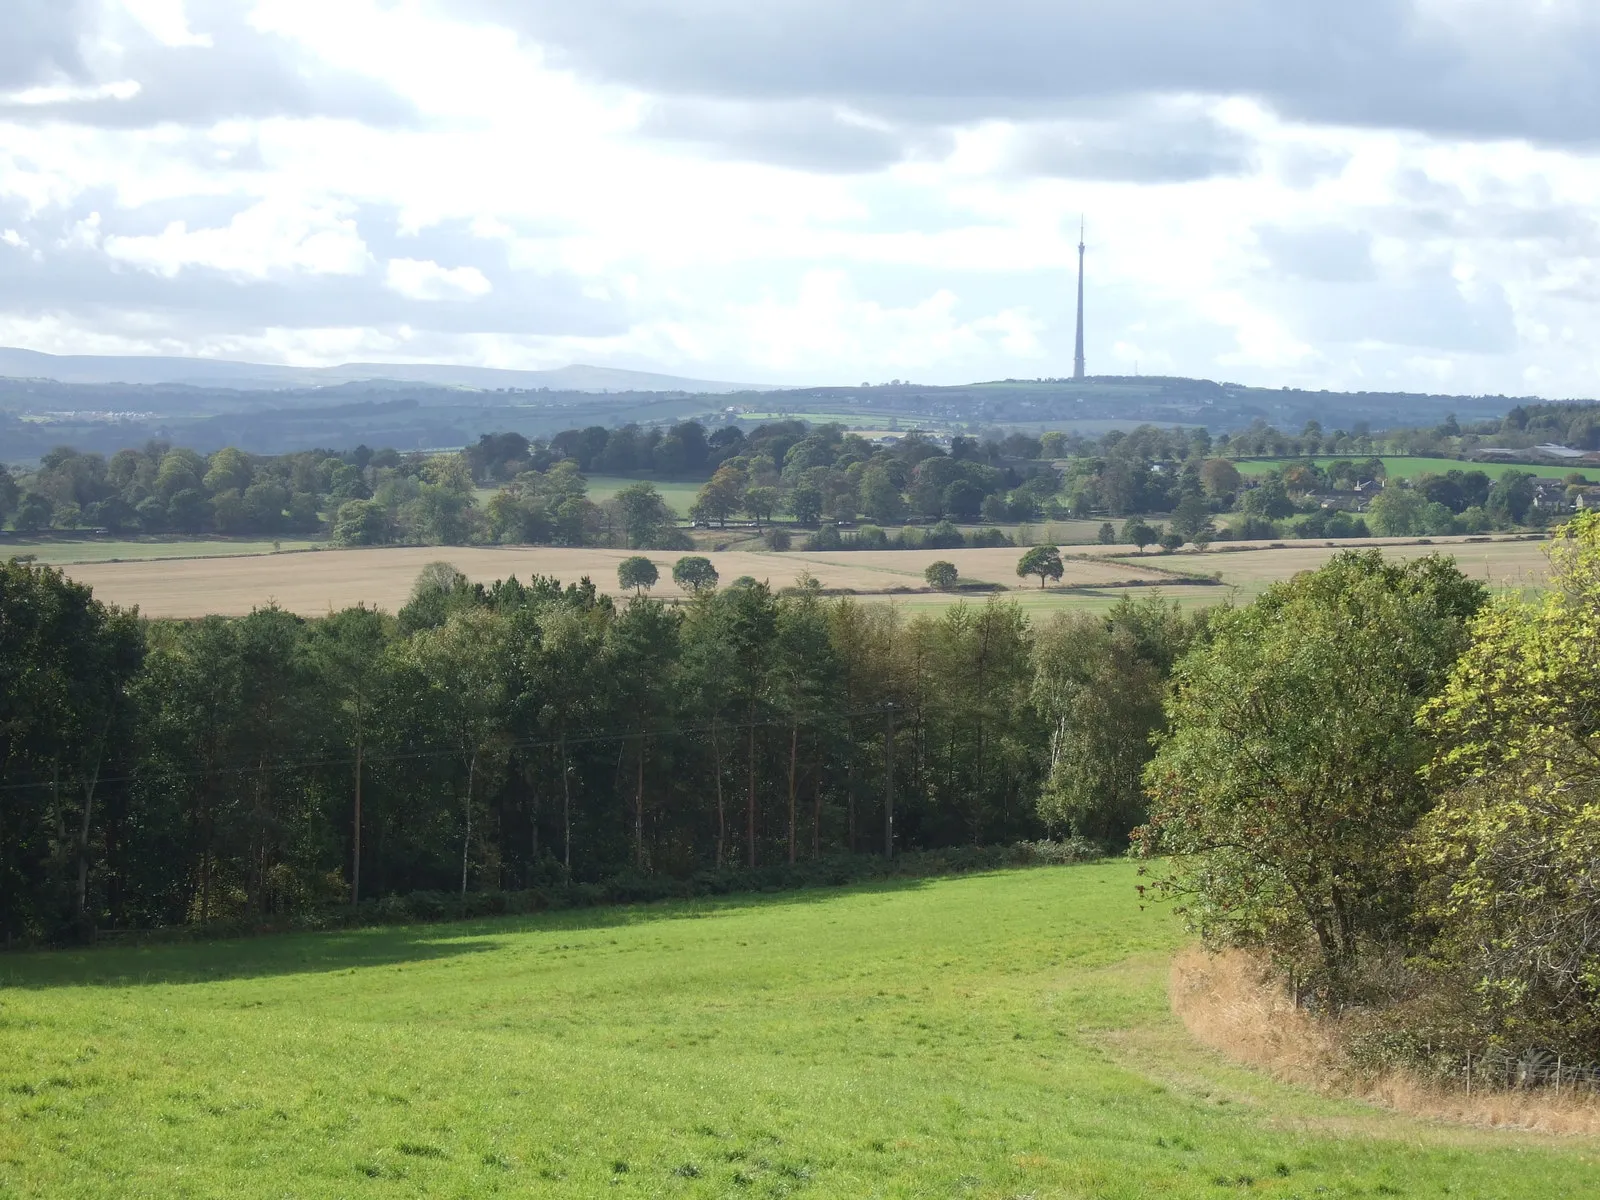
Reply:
x=1228, y=1002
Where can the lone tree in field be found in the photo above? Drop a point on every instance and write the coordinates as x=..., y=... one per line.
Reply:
x=1043, y=561
x=941, y=576
x=1138, y=533
x=1108, y=534
x=694, y=573
x=637, y=572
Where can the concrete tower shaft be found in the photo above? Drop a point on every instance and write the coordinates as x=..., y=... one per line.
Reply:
x=1077, y=358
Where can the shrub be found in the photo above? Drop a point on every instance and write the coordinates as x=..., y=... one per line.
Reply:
x=826, y=538
x=870, y=537
x=991, y=536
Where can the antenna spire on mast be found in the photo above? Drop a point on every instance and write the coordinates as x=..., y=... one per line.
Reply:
x=1077, y=360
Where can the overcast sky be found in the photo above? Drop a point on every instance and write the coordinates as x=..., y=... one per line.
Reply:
x=1352, y=194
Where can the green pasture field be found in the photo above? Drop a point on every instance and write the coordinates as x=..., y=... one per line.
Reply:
x=1001, y=1035
x=851, y=420
x=57, y=551
x=1409, y=467
x=678, y=495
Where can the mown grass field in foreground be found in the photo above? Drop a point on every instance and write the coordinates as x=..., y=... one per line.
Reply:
x=994, y=1036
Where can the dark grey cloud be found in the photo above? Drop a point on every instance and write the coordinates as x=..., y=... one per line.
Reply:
x=1504, y=69
x=1149, y=147
x=244, y=72
x=54, y=274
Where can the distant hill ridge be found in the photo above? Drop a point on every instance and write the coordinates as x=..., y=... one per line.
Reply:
x=226, y=373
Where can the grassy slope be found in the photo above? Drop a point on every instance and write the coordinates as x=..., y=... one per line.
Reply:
x=994, y=1036
x=1406, y=467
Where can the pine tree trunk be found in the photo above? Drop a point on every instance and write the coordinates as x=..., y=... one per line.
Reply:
x=750, y=794
x=466, y=839
x=794, y=745
x=566, y=806
x=722, y=812
x=638, y=812
x=355, y=855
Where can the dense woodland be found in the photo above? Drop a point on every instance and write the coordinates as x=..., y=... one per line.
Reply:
x=510, y=736
x=820, y=481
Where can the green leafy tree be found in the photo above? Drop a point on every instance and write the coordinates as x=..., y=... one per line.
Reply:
x=350, y=652
x=1137, y=532
x=1269, y=499
x=1508, y=854
x=941, y=576
x=880, y=497
x=1221, y=479
x=805, y=504
x=8, y=494
x=1398, y=512
x=760, y=503
x=1511, y=497
x=1107, y=535
x=1191, y=520
x=462, y=668
x=694, y=573
x=1043, y=561
x=720, y=497
x=362, y=523
x=1288, y=780
x=34, y=513
x=647, y=522
x=1099, y=682
x=638, y=573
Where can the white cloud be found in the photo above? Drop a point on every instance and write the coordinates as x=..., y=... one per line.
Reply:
x=270, y=238
x=166, y=21
x=523, y=183
x=421, y=279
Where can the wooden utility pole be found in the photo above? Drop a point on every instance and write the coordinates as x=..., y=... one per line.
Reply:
x=888, y=777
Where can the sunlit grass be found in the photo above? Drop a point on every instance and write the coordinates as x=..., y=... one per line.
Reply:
x=997, y=1036
x=1410, y=466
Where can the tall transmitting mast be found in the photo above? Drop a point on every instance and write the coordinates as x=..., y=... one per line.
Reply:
x=1077, y=359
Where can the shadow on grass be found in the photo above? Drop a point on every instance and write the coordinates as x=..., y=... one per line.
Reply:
x=351, y=949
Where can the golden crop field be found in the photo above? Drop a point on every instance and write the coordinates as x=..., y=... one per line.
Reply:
x=315, y=583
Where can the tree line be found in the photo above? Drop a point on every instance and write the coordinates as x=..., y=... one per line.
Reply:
x=1384, y=780
x=818, y=477
x=500, y=737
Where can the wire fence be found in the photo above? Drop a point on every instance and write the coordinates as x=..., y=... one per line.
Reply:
x=1498, y=1069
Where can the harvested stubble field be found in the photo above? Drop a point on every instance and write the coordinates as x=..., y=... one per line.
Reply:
x=1502, y=564
x=58, y=551
x=1000, y=1035
x=315, y=583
